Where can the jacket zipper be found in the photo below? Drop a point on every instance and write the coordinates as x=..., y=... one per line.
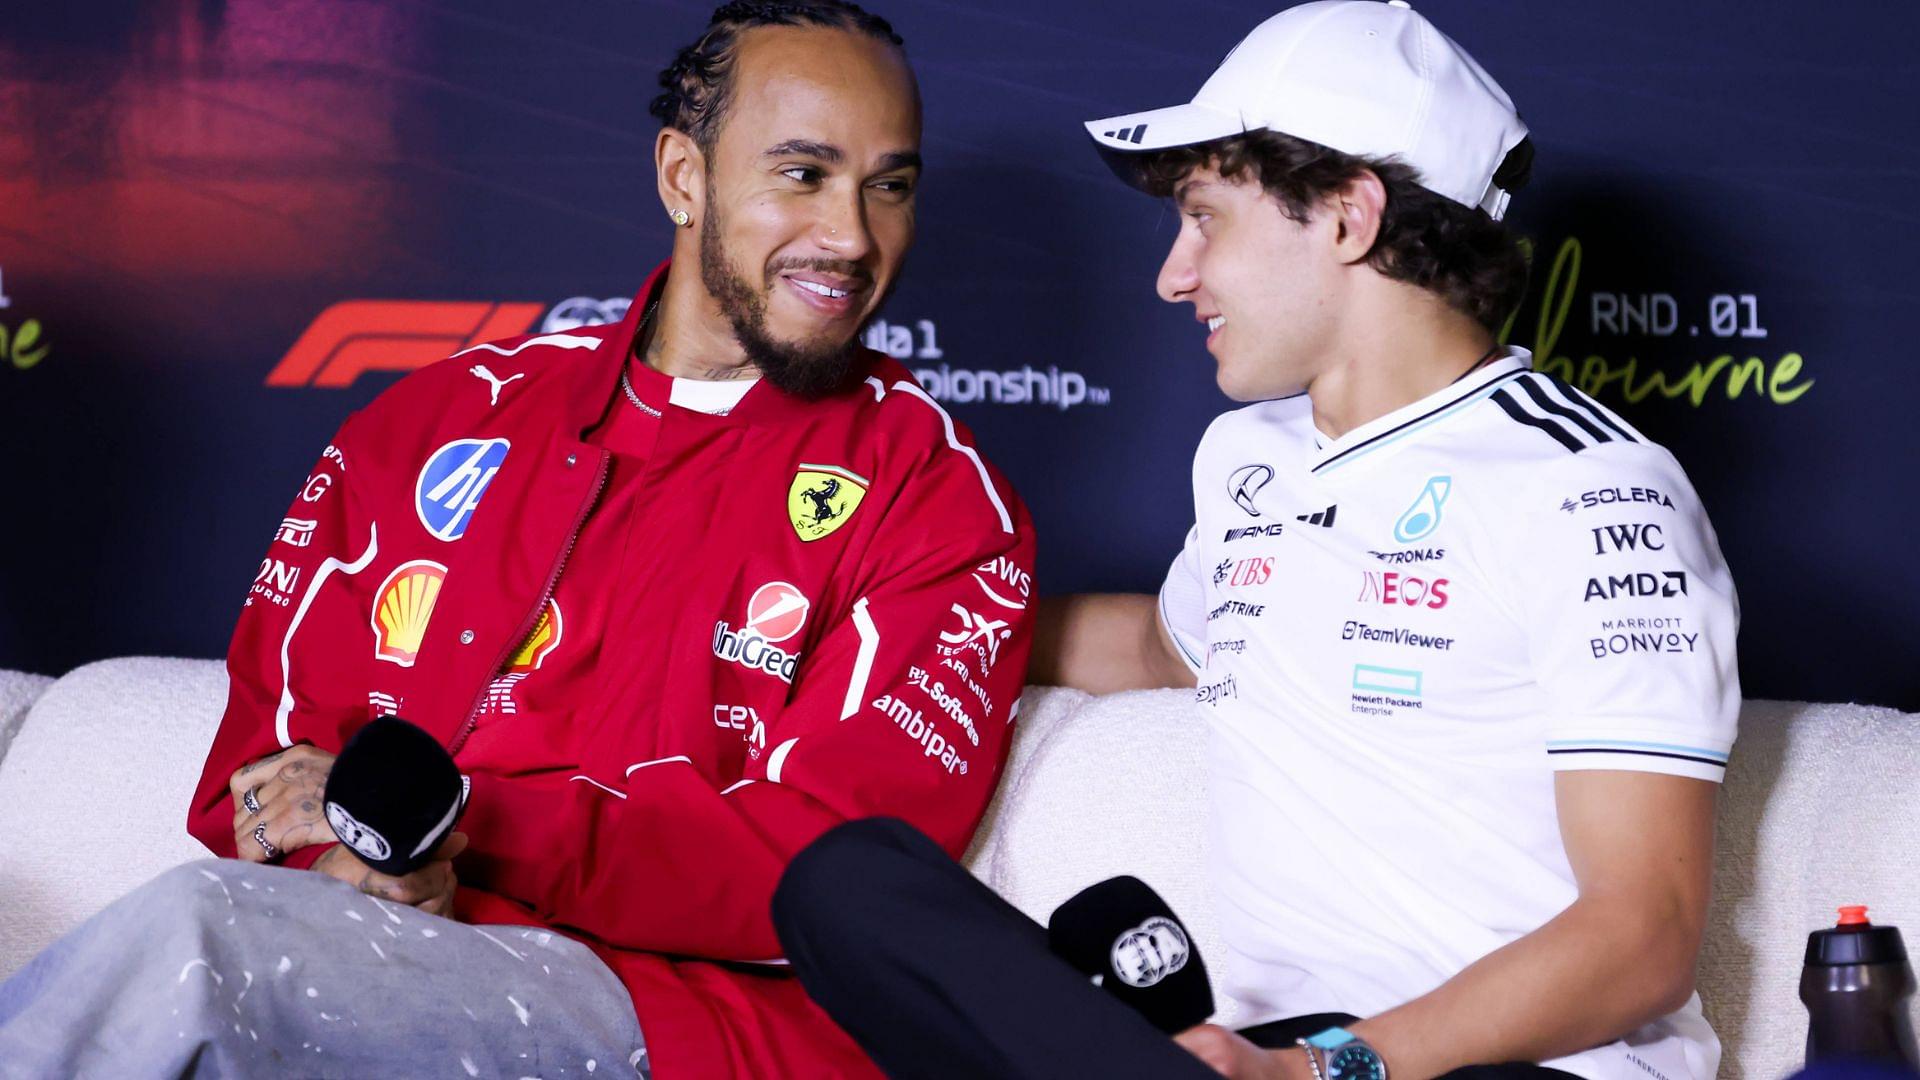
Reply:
x=527, y=624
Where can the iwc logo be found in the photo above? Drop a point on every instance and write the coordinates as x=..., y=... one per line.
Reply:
x=822, y=498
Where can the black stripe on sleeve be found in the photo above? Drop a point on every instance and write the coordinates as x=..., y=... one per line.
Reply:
x=1639, y=753
x=1548, y=404
x=1504, y=399
x=1586, y=404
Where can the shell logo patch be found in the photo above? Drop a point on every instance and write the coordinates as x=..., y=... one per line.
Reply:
x=403, y=607
x=822, y=498
x=544, y=639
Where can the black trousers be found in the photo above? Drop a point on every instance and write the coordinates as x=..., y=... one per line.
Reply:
x=937, y=977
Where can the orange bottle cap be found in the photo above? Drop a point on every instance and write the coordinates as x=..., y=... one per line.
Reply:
x=1853, y=915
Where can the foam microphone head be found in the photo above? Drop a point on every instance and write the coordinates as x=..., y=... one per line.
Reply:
x=394, y=795
x=1129, y=941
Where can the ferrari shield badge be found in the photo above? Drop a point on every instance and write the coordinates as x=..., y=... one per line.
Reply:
x=822, y=498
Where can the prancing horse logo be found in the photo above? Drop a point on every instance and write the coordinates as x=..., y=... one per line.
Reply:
x=822, y=498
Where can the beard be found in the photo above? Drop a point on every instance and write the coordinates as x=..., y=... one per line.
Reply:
x=806, y=370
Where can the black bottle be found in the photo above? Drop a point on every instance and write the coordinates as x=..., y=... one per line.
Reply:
x=1857, y=985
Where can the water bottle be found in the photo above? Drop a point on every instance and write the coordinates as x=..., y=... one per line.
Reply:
x=1857, y=986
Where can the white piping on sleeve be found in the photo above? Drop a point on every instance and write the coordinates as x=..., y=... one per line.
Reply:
x=779, y=759
x=1006, y=520
x=564, y=341
x=285, y=709
x=638, y=765
x=731, y=788
x=863, y=662
x=601, y=786
x=996, y=597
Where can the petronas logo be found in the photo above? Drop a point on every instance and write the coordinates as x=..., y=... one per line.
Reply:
x=1424, y=515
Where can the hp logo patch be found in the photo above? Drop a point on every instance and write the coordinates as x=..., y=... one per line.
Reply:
x=452, y=481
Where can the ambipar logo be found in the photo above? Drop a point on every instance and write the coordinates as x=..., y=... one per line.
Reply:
x=918, y=343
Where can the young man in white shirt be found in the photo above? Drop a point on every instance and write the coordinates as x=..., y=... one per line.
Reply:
x=1465, y=637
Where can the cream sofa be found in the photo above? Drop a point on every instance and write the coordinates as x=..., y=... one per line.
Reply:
x=1819, y=810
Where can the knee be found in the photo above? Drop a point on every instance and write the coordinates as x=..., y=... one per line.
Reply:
x=189, y=887
x=847, y=868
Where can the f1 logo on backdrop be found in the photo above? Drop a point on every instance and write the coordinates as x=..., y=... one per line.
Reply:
x=354, y=337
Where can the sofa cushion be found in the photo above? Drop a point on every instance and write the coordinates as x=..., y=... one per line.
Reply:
x=1817, y=811
x=18, y=692
x=94, y=792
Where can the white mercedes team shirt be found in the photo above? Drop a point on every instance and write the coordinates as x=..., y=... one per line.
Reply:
x=1401, y=635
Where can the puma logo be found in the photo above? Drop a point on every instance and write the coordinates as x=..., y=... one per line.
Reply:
x=494, y=382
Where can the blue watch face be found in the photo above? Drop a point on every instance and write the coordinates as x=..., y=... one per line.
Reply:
x=1355, y=1063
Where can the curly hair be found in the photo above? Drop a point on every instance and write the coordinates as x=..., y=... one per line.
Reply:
x=698, y=84
x=1471, y=261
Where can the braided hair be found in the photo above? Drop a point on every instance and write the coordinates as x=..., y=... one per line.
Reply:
x=697, y=85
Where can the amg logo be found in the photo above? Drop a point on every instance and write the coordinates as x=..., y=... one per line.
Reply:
x=1253, y=530
x=1666, y=583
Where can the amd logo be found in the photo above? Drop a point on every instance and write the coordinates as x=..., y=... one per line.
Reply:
x=1667, y=583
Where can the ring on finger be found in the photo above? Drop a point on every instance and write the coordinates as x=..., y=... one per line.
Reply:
x=251, y=800
x=260, y=836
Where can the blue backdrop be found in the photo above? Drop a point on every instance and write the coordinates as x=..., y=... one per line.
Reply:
x=226, y=223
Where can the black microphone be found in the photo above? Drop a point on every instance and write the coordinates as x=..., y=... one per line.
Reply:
x=1122, y=935
x=394, y=795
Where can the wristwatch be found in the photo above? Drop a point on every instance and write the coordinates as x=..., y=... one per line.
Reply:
x=1339, y=1054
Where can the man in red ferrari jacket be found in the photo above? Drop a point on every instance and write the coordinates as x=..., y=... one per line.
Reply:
x=678, y=594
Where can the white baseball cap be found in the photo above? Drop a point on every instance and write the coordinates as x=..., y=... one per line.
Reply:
x=1365, y=78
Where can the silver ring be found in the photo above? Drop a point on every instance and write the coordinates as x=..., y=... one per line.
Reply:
x=260, y=835
x=250, y=800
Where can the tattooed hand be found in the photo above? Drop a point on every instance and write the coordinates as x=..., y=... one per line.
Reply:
x=287, y=787
x=429, y=888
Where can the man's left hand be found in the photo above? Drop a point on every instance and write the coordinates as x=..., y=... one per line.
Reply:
x=1232, y=1056
x=287, y=787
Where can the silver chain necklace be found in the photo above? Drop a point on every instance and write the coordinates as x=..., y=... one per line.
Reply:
x=626, y=384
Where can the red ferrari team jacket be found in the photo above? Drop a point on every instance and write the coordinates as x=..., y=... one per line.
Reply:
x=837, y=618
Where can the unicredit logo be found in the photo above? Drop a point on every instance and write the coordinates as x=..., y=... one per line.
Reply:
x=775, y=612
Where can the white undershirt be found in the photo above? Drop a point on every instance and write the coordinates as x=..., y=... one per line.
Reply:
x=717, y=397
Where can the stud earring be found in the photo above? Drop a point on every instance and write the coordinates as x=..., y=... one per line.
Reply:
x=681, y=218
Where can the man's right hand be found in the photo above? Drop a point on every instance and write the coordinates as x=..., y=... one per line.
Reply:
x=429, y=888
